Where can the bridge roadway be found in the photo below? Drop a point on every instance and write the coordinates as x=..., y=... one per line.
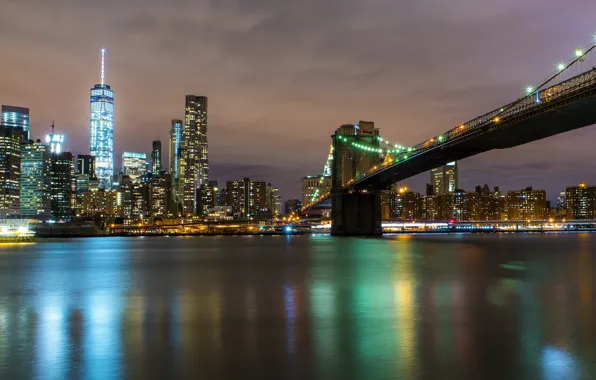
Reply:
x=567, y=106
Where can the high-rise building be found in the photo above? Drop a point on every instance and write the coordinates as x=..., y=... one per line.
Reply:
x=175, y=139
x=160, y=197
x=194, y=162
x=207, y=198
x=312, y=184
x=140, y=196
x=156, y=167
x=101, y=125
x=581, y=202
x=293, y=205
x=444, y=178
x=16, y=117
x=526, y=204
x=134, y=165
x=405, y=204
x=273, y=200
x=86, y=165
x=61, y=185
x=247, y=198
x=10, y=170
x=36, y=162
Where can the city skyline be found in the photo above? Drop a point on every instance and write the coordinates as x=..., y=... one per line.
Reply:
x=269, y=132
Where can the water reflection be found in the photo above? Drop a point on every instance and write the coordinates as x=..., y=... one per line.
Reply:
x=299, y=307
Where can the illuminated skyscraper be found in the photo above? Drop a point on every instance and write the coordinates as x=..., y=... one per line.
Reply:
x=101, y=123
x=62, y=184
x=10, y=170
x=156, y=157
x=16, y=117
x=175, y=139
x=444, y=178
x=194, y=163
x=134, y=165
x=35, y=179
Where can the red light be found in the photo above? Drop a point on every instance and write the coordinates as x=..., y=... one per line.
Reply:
x=451, y=221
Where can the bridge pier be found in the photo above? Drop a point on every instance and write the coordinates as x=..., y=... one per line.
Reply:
x=356, y=214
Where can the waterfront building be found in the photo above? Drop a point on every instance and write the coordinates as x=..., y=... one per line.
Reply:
x=61, y=185
x=444, y=179
x=526, y=204
x=248, y=198
x=35, y=180
x=430, y=208
x=101, y=128
x=156, y=157
x=134, y=165
x=10, y=170
x=16, y=117
x=208, y=198
x=100, y=202
x=175, y=140
x=160, y=195
x=273, y=200
x=311, y=184
x=581, y=202
x=293, y=205
x=193, y=161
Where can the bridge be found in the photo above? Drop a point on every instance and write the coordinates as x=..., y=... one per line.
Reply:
x=363, y=163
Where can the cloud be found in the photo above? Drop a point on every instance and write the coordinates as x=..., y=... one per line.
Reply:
x=281, y=76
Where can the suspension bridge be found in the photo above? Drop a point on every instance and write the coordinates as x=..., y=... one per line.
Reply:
x=361, y=163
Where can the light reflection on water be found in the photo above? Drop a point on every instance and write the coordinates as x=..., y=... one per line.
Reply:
x=304, y=307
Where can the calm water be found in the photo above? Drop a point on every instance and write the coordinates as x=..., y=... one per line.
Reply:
x=448, y=307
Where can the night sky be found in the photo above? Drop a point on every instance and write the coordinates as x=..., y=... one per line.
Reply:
x=281, y=76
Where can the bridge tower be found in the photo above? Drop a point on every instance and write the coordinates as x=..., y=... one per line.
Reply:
x=355, y=152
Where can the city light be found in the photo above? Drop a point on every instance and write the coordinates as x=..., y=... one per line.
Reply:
x=529, y=89
x=561, y=66
x=579, y=53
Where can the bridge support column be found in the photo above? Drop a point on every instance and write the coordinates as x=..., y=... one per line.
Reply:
x=356, y=214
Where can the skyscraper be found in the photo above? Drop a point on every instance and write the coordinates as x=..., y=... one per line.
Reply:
x=247, y=198
x=194, y=163
x=16, y=117
x=10, y=170
x=133, y=165
x=156, y=157
x=444, y=178
x=35, y=179
x=101, y=123
x=61, y=186
x=86, y=165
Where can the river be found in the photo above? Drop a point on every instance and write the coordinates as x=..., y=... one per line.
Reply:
x=502, y=306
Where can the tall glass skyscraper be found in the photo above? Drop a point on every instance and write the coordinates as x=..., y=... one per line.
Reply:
x=101, y=123
x=194, y=162
x=175, y=138
x=36, y=162
x=134, y=165
x=16, y=117
x=156, y=157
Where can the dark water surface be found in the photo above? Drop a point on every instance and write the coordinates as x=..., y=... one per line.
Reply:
x=407, y=307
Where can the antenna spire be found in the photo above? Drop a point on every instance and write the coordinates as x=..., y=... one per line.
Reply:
x=52, y=126
x=103, y=65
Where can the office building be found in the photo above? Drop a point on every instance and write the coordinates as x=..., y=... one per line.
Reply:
x=134, y=165
x=16, y=117
x=247, y=198
x=61, y=185
x=526, y=204
x=101, y=129
x=156, y=167
x=160, y=196
x=313, y=186
x=444, y=178
x=208, y=198
x=273, y=200
x=404, y=204
x=36, y=160
x=140, y=195
x=175, y=140
x=86, y=165
x=581, y=202
x=293, y=205
x=55, y=141
x=193, y=162
x=10, y=170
